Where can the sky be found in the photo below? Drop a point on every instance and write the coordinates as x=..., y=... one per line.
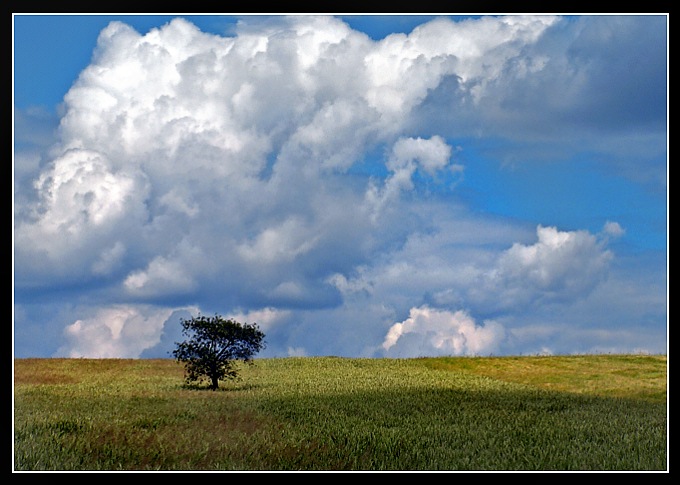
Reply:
x=360, y=186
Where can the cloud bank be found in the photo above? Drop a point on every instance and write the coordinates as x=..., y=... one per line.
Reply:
x=300, y=174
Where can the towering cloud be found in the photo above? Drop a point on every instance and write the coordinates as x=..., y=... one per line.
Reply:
x=174, y=134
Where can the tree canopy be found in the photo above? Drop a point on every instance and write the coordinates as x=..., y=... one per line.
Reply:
x=214, y=346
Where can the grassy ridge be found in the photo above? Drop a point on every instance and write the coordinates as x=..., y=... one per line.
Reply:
x=492, y=413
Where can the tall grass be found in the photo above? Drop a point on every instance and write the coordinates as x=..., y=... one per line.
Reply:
x=525, y=413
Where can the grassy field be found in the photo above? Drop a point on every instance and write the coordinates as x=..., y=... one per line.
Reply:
x=598, y=412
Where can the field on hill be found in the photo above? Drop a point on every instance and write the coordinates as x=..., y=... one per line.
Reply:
x=595, y=412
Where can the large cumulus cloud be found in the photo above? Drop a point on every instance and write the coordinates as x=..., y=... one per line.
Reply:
x=281, y=170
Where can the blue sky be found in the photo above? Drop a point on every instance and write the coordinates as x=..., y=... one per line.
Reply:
x=362, y=186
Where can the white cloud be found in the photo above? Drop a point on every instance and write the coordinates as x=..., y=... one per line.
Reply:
x=430, y=331
x=486, y=273
x=177, y=131
x=408, y=155
x=431, y=154
x=296, y=352
x=109, y=260
x=561, y=264
x=613, y=229
x=81, y=221
x=82, y=193
x=162, y=276
x=265, y=318
x=279, y=244
x=472, y=51
x=121, y=331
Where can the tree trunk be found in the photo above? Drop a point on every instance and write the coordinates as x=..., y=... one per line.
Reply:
x=214, y=384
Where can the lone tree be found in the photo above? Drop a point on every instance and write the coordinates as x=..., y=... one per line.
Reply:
x=214, y=346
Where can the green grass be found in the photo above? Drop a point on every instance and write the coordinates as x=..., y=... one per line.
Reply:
x=605, y=412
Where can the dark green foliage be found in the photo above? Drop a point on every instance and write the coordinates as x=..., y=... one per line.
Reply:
x=214, y=347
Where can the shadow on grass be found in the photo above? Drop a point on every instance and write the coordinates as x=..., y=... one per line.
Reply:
x=225, y=387
x=456, y=429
